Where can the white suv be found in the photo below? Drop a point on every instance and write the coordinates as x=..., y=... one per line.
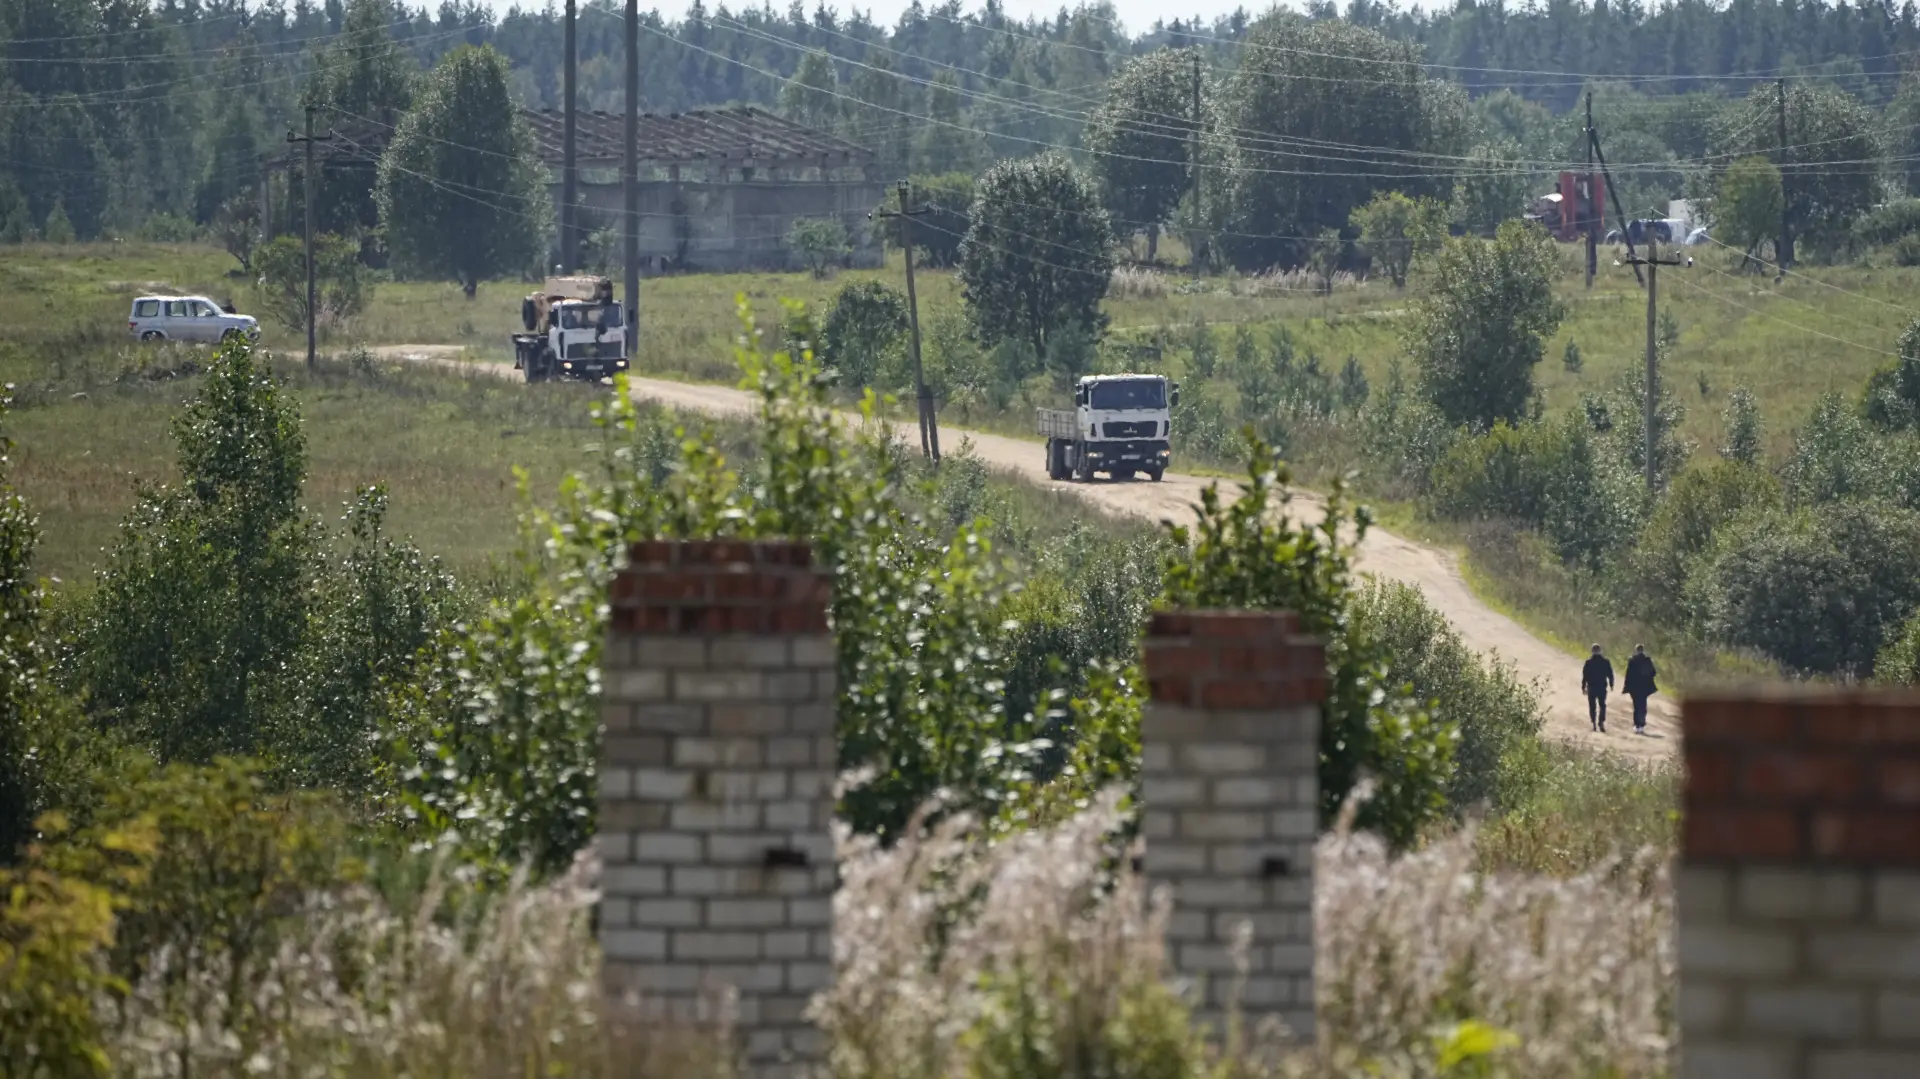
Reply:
x=187, y=318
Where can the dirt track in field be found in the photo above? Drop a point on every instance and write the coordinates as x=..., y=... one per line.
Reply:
x=1432, y=570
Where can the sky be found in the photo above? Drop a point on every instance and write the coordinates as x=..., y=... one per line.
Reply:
x=1136, y=15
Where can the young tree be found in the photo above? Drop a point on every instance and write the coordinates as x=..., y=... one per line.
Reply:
x=1746, y=205
x=340, y=283
x=821, y=242
x=237, y=227
x=1742, y=418
x=461, y=192
x=946, y=145
x=861, y=331
x=1478, y=334
x=1038, y=255
x=1141, y=140
x=1395, y=230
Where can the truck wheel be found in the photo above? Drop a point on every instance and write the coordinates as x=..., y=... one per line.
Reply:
x=1154, y=474
x=1056, y=461
x=1082, y=469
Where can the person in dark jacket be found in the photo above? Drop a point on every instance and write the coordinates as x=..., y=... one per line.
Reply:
x=1596, y=678
x=1638, y=684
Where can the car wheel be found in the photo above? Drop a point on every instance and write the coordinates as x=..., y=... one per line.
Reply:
x=153, y=335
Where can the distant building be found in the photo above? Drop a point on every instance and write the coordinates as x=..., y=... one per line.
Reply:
x=719, y=188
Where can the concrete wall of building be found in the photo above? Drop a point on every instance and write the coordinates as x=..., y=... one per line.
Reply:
x=707, y=227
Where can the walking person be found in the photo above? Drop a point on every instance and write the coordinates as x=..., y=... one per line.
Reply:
x=1638, y=684
x=1596, y=679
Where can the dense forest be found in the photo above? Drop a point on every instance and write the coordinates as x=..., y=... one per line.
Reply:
x=126, y=116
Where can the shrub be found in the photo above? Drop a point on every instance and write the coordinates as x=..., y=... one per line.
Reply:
x=1495, y=714
x=1891, y=400
x=1701, y=501
x=1837, y=456
x=341, y=285
x=1552, y=476
x=1742, y=419
x=1252, y=556
x=862, y=331
x=821, y=243
x=948, y=200
x=1480, y=331
x=1888, y=223
x=1814, y=589
x=1899, y=662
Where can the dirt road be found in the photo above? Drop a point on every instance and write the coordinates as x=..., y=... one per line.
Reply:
x=1382, y=554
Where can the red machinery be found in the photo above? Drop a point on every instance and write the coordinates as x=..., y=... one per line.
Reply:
x=1583, y=200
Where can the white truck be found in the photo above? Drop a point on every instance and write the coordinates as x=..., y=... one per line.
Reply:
x=1120, y=425
x=574, y=330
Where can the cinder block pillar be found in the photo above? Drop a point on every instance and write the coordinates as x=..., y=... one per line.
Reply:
x=1230, y=786
x=716, y=790
x=1799, y=887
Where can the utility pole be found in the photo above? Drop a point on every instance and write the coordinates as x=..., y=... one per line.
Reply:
x=309, y=139
x=1586, y=205
x=570, y=178
x=631, y=175
x=1199, y=243
x=1652, y=262
x=929, y=425
x=1785, y=254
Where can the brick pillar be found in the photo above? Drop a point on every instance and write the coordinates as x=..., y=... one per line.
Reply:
x=1231, y=793
x=716, y=789
x=1799, y=888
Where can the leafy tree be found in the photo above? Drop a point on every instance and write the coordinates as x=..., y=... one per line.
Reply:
x=364, y=77
x=1323, y=259
x=1250, y=555
x=1301, y=82
x=461, y=190
x=1492, y=188
x=1828, y=134
x=341, y=285
x=811, y=98
x=20, y=662
x=1037, y=258
x=947, y=201
x=1837, y=455
x=1395, y=230
x=882, y=113
x=1142, y=140
x=1746, y=208
x=821, y=242
x=237, y=228
x=1816, y=591
x=58, y=230
x=1742, y=419
x=204, y=595
x=862, y=331
x=1480, y=330
x=231, y=165
x=1554, y=476
x=1900, y=132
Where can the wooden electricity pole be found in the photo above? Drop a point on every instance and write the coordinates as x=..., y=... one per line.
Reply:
x=929, y=425
x=1199, y=244
x=309, y=139
x=1784, y=256
x=1586, y=207
x=1652, y=262
x=570, y=175
x=630, y=178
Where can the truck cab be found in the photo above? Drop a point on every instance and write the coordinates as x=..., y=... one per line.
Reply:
x=1120, y=425
x=575, y=329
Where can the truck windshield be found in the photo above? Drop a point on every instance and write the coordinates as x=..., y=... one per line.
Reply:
x=1130, y=393
x=604, y=316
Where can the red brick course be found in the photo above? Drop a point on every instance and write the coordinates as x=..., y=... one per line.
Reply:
x=720, y=586
x=1233, y=660
x=1814, y=777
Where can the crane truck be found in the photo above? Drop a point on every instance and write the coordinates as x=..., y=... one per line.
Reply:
x=574, y=330
x=1119, y=424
